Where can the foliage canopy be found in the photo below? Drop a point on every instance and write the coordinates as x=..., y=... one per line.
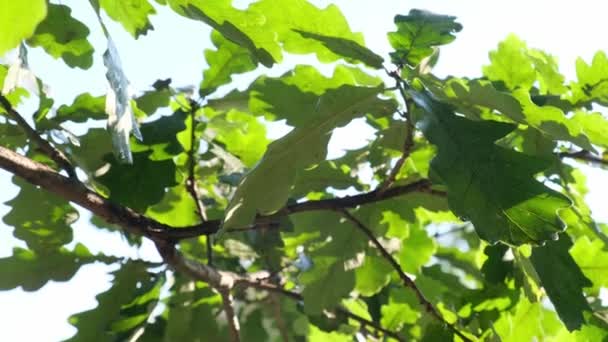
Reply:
x=473, y=220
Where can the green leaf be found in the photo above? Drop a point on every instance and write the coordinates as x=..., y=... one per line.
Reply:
x=511, y=64
x=395, y=315
x=592, y=83
x=84, y=107
x=242, y=135
x=132, y=14
x=141, y=184
x=48, y=227
x=416, y=249
x=152, y=100
x=518, y=106
x=18, y=20
x=351, y=51
x=327, y=282
x=563, y=280
x=228, y=59
x=372, y=276
x=191, y=314
x=176, y=208
x=160, y=136
x=94, y=149
x=13, y=136
x=592, y=259
x=32, y=269
x=527, y=322
x=62, y=36
x=518, y=209
x=418, y=33
x=303, y=146
x=266, y=29
x=106, y=322
x=323, y=175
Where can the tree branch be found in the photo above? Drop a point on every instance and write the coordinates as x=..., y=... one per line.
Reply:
x=56, y=155
x=584, y=156
x=231, y=317
x=407, y=281
x=213, y=226
x=135, y=223
x=49, y=179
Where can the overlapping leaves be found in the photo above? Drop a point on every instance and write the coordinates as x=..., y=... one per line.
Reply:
x=418, y=33
x=518, y=208
x=305, y=145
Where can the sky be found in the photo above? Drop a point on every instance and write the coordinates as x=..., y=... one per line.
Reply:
x=175, y=49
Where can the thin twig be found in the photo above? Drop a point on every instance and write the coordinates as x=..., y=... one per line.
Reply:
x=55, y=154
x=407, y=281
x=408, y=143
x=231, y=317
x=584, y=156
x=191, y=180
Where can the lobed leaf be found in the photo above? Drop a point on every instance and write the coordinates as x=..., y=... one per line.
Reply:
x=62, y=36
x=132, y=14
x=516, y=209
x=418, y=33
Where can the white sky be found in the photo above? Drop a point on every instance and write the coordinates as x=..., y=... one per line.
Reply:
x=174, y=49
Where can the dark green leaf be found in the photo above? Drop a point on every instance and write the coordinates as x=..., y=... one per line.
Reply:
x=563, y=280
x=418, y=33
x=107, y=322
x=351, y=51
x=62, y=36
x=326, y=284
x=518, y=209
x=141, y=184
x=31, y=270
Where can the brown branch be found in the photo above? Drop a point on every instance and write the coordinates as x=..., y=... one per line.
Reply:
x=407, y=281
x=49, y=179
x=135, y=223
x=231, y=317
x=56, y=155
x=584, y=156
x=226, y=281
x=213, y=226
